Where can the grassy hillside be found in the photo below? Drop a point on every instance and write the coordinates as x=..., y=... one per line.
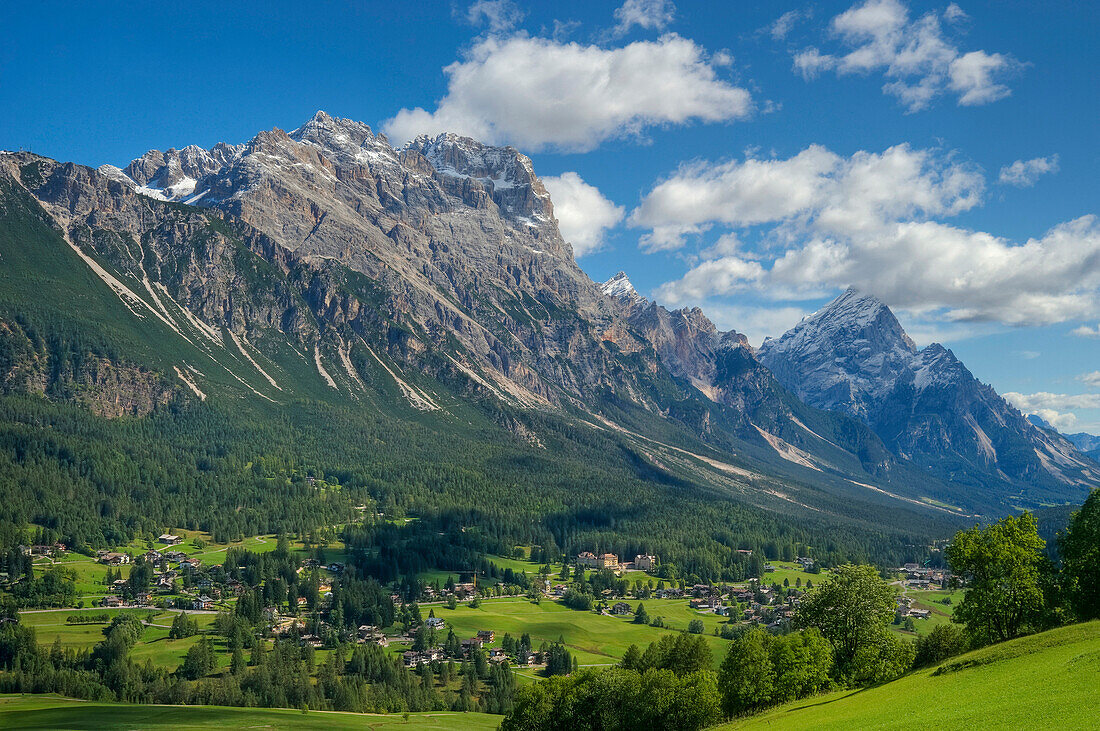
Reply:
x=55, y=712
x=1046, y=681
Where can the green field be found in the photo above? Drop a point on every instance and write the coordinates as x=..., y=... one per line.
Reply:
x=90, y=573
x=789, y=571
x=931, y=600
x=154, y=643
x=592, y=638
x=1046, y=681
x=55, y=712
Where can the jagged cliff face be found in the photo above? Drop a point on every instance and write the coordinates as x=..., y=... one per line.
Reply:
x=854, y=357
x=458, y=238
x=324, y=263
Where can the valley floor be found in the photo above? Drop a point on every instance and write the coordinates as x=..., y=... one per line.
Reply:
x=25, y=712
x=1046, y=681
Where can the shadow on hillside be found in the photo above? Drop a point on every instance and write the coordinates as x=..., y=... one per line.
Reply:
x=830, y=700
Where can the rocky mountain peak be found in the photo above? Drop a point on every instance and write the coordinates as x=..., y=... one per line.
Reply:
x=844, y=356
x=619, y=287
x=507, y=174
x=857, y=313
x=853, y=356
x=341, y=137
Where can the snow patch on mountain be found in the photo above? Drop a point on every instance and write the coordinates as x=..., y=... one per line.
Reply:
x=620, y=287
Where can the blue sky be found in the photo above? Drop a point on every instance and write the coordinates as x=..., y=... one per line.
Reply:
x=750, y=160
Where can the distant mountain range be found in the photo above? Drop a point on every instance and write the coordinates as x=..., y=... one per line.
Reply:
x=1087, y=443
x=325, y=265
x=853, y=357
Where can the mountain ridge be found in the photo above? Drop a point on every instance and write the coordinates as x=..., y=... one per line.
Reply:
x=854, y=357
x=324, y=259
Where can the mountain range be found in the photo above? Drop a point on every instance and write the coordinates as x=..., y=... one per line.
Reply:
x=325, y=266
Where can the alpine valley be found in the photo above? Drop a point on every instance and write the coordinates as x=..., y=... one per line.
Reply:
x=202, y=338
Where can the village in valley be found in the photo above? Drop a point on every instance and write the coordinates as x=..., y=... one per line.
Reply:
x=519, y=612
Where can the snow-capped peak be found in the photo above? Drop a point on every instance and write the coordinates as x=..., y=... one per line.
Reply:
x=619, y=287
x=854, y=310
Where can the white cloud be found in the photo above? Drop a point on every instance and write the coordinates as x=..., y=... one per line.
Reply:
x=785, y=22
x=826, y=221
x=755, y=323
x=1054, y=408
x=1086, y=331
x=646, y=14
x=811, y=62
x=972, y=76
x=499, y=15
x=725, y=275
x=1024, y=173
x=954, y=14
x=917, y=59
x=583, y=213
x=844, y=194
x=1092, y=378
x=1060, y=421
x=1045, y=400
x=537, y=93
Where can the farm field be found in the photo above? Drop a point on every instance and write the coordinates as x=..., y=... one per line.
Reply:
x=791, y=572
x=90, y=574
x=932, y=601
x=55, y=712
x=154, y=644
x=593, y=639
x=1045, y=681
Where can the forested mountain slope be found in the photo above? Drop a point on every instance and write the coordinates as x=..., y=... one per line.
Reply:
x=187, y=340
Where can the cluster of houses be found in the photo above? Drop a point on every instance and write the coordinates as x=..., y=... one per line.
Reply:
x=43, y=550
x=168, y=566
x=641, y=562
x=522, y=657
x=905, y=609
x=922, y=577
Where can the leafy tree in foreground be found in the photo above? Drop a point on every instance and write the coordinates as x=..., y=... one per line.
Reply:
x=1080, y=549
x=944, y=641
x=852, y=609
x=762, y=670
x=617, y=700
x=747, y=677
x=1001, y=566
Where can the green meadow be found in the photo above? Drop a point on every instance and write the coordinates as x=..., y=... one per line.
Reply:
x=1046, y=681
x=63, y=714
x=592, y=638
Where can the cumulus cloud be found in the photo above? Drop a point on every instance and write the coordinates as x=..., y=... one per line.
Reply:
x=1060, y=421
x=1054, y=408
x=498, y=15
x=646, y=14
x=917, y=58
x=537, y=93
x=972, y=76
x=1085, y=331
x=823, y=221
x=1024, y=173
x=840, y=194
x=584, y=214
x=1031, y=402
x=1092, y=378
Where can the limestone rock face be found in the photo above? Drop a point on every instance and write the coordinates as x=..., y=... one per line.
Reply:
x=854, y=357
x=297, y=261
